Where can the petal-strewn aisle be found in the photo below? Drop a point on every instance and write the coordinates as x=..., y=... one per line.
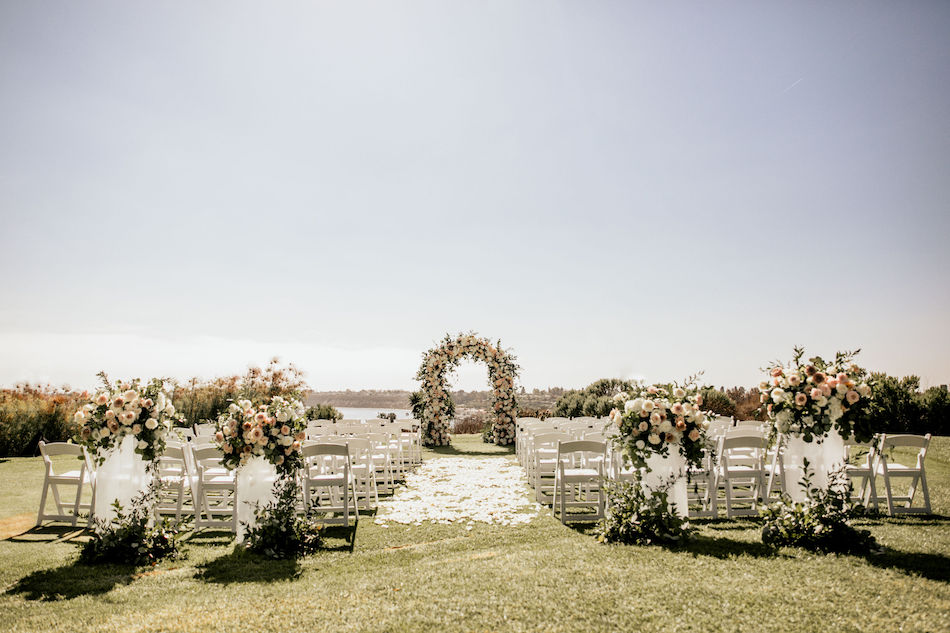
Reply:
x=464, y=490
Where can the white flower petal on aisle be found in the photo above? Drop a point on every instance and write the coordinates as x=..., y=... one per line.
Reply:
x=464, y=489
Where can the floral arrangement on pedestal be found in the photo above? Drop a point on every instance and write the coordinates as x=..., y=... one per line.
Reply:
x=144, y=412
x=440, y=360
x=659, y=418
x=273, y=431
x=809, y=399
x=125, y=427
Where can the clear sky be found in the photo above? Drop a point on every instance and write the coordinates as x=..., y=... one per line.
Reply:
x=611, y=188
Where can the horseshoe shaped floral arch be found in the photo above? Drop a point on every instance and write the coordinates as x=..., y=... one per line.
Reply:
x=444, y=358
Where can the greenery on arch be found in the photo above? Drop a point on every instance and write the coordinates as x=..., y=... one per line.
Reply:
x=434, y=403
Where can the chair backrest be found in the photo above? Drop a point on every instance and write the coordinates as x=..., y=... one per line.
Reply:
x=551, y=439
x=204, y=429
x=580, y=446
x=57, y=449
x=921, y=442
x=315, y=450
x=53, y=449
x=738, y=439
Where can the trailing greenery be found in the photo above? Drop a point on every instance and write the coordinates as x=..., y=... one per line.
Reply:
x=635, y=517
x=280, y=532
x=822, y=523
x=418, y=407
x=132, y=538
x=595, y=400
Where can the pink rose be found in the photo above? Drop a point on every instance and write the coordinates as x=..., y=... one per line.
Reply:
x=825, y=389
x=219, y=436
x=852, y=396
x=842, y=377
x=680, y=425
x=776, y=372
x=794, y=380
x=801, y=399
x=694, y=434
x=815, y=393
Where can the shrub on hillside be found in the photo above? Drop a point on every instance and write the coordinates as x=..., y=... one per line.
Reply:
x=323, y=412
x=472, y=422
x=595, y=400
x=718, y=402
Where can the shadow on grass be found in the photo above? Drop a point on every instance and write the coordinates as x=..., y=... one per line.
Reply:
x=244, y=566
x=493, y=451
x=71, y=581
x=723, y=547
x=335, y=533
x=930, y=566
x=49, y=533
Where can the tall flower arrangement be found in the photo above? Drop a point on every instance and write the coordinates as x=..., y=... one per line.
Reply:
x=660, y=418
x=439, y=361
x=274, y=430
x=144, y=411
x=810, y=398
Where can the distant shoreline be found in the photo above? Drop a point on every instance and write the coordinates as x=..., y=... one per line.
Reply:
x=399, y=399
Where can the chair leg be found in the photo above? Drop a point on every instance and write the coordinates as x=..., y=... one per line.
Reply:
x=926, y=493
x=41, y=514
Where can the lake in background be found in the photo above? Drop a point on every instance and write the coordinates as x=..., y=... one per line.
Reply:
x=369, y=413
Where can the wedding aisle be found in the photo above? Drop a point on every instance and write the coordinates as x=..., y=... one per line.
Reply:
x=462, y=490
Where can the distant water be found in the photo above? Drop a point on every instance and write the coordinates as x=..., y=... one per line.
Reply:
x=368, y=413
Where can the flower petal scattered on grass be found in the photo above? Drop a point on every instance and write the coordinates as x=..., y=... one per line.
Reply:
x=449, y=489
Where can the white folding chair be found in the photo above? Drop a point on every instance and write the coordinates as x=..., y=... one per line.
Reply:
x=67, y=509
x=173, y=482
x=328, y=482
x=889, y=468
x=702, y=491
x=742, y=470
x=861, y=468
x=214, y=490
x=363, y=472
x=204, y=429
x=579, y=480
x=544, y=464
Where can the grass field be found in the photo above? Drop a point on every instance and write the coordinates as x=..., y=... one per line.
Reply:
x=541, y=576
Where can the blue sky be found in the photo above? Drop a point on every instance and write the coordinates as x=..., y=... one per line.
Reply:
x=610, y=188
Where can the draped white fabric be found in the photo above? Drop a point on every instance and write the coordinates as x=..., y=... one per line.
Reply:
x=664, y=468
x=255, y=485
x=822, y=459
x=122, y=476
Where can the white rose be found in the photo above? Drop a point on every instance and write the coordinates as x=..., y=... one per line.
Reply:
x=841, y=388
x=142, y=444
x=631, y=405
x=170, y=409
x=778, y=395
x=865, y=390
x=80, y=416
x=679, y=393
x=764, y=386
x=151, y=424
x=654, y=438
x=665, y=426
x=104, y=432
x=647, y=405
x=640, y=444
x=283, y=415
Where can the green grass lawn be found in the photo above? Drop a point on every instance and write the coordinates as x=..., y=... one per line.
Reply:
x=541, y=576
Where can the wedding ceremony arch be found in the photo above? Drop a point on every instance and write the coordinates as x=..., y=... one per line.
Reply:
x=445, y=357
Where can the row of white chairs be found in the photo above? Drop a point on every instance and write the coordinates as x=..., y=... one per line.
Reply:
x=740, y=471
x=194, y=482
